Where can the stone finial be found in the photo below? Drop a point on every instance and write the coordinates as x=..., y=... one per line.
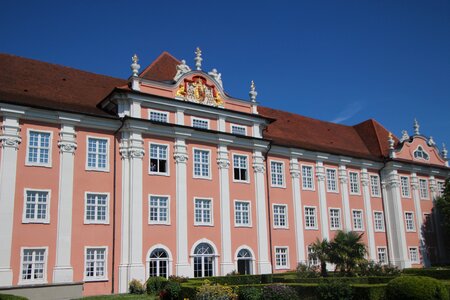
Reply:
x=253, y=93
x=216, y=75
x=405, y=136
x=182, y=68
x=444, y=151
x=135, y=66
x=416, y=127
x=431, y=141
x=198, y=59
x=391, y=141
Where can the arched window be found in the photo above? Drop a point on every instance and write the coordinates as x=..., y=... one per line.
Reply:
x=203, y=260
x=421, y=154
x=159, y=263
x=244, y=262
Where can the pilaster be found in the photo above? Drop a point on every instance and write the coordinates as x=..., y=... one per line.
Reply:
x=298, y=213
x=320, y=174
x=368, y=212
x=343, y=184
x=419, y=216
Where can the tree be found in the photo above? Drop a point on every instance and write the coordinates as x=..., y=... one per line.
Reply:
x=347, y=251
x=443, y=207
x=320, y=251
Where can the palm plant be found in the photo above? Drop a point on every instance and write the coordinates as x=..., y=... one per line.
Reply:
x=320, y=251
x=346, y=251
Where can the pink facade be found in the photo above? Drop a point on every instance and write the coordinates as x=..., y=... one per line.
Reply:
x=175, y=177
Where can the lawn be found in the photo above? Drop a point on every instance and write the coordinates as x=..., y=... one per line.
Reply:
x=121, y=296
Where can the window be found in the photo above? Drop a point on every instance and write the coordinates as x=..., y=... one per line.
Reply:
x=239, y=130
x=414, y=255
x=307, y=178
x=37, y=204
x=244, y=262
x=95, y=264
x=354, y=183
x=382, y=255
x=158, y=116
x=358, y=220
x=277, y=173
x=96, y=211
x=331, y=180
x=405, y=187
x=240, y=168
x=280, y=216
x=335, y=218
x=409, y=220
x=441, y=187
x=158, y=159
x=310, y=218
x=242, y=213
x=423, y=187
x=200, y=123
x=281, y=258
x=201, y=163
x=39, y=148
x=159, y=263
x=312, y=259
x=421, y=154
x=378, y=219
x=97, y=154
x=33, y=265
x=159, y=210
x=203, y=212
x=204, y=260
x=375, y=185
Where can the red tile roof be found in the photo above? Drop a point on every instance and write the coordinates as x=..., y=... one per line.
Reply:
x=161, y=69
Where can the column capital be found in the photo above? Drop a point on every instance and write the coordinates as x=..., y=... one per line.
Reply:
x=343, y=177
x=258, y=164
x=294, y=169
x=10, y=137
x=364, y=177
x=180, y=154
x=320, y=171
x=223, y=163
x=414, y=182
x=393, y=180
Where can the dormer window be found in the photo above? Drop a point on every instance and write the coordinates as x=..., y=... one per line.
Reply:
x=421, y=154
x=238, y=129
x=158, y=116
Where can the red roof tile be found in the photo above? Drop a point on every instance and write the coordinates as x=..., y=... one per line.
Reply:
x=161, y=69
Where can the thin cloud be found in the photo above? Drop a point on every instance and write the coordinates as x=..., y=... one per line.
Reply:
x=351, y=110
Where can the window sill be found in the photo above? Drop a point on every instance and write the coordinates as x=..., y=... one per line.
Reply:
x=48, y=166
x=95, y=279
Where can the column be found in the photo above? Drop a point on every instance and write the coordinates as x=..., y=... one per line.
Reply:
x=10, y=140
x=320, y=174
x=368, y=212
x=223, y=163
x=264, y=265
x=343, y=184
x=183, y=268
x=298, y=211
x=419, y=216
x=63, y=271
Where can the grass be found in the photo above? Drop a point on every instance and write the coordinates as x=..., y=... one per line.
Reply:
x=121, y=296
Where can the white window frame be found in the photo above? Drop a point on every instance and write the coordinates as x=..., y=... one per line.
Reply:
x=282, y=267
x=247, y=162
x=412, y=221
x=249, y=224
x=375, y=221
x=34, y=220
x=209, y=163
x=283, y=177
x=315, y=227
x=330, y=217
x=376, y=185
x=86, y=221
x=441, y=187
x=286, y=225
x=358, y=185
x=159, y=222
x=416, y=261
x=95, y=278
x=336, y=190
x=193, y=119
x=385, y=262
x=421, y=149
x=33, y=281
x=238, y=126
x=311, y=261
x=362, y=219
x=427, y=187
x=50, y=143
x=211, y=212
x=305, y=179
x=106, y=168
x=150, y=111
x=406, y=188
x=167, y=173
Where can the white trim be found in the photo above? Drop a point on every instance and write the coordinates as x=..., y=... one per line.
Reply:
x=47, y=214
x=285, y=216
x=420, y=158
x=382, y=219
x=427, y=188
x=378, y=185
x=386, y=255
x=50, y=149
x=340, y=218
x=169, y=258
x=350, y=182
x=167, y=222
x=105, y=276
x=316, y=227
x=215, y=254
x=313, y=188
x=287, y=267
x=202, y=120
x=336, y=179
x=150, y=172
x=150, y=110
x=252, y=259
x=362, y=220
x=107, y=208
x=209, y=177
x=418, y=255
x=238, y=126
x=413, y=221
x=210, y=224
x=408, y=186
x=249, y=213
x=283, y=173
x=33, y=281
x=248, y=169
x=106, y=169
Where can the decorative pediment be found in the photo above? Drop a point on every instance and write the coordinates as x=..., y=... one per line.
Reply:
x=198, y=90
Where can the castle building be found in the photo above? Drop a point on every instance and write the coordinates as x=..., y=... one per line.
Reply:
x=104, y=180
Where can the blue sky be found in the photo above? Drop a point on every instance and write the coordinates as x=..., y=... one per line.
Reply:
x=341, y=61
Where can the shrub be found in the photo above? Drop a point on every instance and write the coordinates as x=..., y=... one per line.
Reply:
x=438, y=273
x=369, y=291
x=278, y=292
x=305, y=271
x=172, y=291
x=210, y=291
x=11, y=297
x=334, y=290
x=155, y=285
x=416, y=288
x=136, y=287
x=179, y=279
x=249, y=293
x=233, y=273
x=266, y=278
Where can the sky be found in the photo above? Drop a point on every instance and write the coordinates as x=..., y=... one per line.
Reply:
x=339, y=61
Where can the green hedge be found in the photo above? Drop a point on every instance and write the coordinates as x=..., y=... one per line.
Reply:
x=442, y=274
x=369, y=291
x=11, y=297
x=351, y=280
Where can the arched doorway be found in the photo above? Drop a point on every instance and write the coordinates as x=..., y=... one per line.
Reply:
x=159, y=263
x=204, y=260
x=244, y=262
